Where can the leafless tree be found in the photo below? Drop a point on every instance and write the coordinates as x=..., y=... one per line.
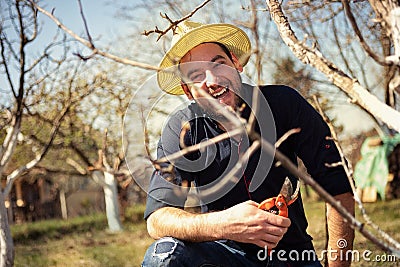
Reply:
x=43, y=95
x=25, y=94
x=350, y=85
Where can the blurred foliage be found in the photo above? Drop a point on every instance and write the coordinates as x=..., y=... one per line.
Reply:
x=55, y=229
x=134, y=214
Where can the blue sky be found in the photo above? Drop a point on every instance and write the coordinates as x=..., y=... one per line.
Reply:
x=99, y=15
x=104, y=26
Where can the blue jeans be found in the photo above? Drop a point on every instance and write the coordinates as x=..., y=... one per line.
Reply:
x=173, y=252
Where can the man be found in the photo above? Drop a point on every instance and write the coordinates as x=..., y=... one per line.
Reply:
x=232, y=230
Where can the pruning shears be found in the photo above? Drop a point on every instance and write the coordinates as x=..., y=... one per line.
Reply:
x=279, y=204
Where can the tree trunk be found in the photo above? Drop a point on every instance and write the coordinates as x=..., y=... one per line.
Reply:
x=351, y=87
x=63, y=204
x=111, y=199
x=6, y=242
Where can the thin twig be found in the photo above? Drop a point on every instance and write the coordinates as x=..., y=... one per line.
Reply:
x=85, y=23
x=346, y=166
x=173, y=157
x=286, y=136
x=173, y=24
x=91, y=46
x=231, y=176
x=360, y=37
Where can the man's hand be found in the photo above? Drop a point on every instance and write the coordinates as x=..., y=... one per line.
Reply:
x=245, y=222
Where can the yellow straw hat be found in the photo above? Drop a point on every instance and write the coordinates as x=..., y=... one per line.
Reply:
x=189, y=34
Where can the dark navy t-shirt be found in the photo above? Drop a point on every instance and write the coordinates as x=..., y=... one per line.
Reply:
x=286, y=109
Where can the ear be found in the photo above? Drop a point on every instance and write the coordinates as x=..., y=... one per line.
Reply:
x=187, y=91
x=236, y=63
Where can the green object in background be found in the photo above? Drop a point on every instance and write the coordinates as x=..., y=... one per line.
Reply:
x=373, y=168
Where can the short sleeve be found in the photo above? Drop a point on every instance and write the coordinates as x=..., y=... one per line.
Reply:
x=165, y=187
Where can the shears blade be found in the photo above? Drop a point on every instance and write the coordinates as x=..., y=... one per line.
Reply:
x=287, y=191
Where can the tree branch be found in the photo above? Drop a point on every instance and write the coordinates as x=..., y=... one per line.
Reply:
x=349, y=172
x=91, y=46
x=173, y=24
x=351, y=87
x=307, y=179
x=360, y=37
x=16, y=173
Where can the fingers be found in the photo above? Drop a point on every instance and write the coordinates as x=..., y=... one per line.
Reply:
x=268, y=241
x=249, y=224
x=266, y=244
x=270, y=217
x=275, y=228
x=252, y=203
x=278, y=220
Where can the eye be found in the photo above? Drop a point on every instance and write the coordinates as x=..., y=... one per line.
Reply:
x=197, y=77
x=220, y=62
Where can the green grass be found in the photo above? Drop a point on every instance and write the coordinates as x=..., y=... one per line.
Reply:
x=86, y=242
x=53, y=229
x=385, y=214
x=81, y=241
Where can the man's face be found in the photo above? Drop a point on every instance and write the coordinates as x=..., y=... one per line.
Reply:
x=207, y=67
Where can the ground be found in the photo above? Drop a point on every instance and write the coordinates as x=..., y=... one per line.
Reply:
x=93, y=246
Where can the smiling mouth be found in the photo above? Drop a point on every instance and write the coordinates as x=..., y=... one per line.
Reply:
x=220, y=93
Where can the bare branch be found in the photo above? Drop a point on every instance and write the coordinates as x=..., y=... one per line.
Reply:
x=351, y=87
x=173, y=24
x=201, y=145
x=360, y=37
x=349, y=172
x=254, y=27
x=104, y=149
x=286, y=136
x=91, y=46
x=77, y=166
x=16, y=173
x=5, y=65
x=10, y=142
x=307, y=179
x=84, y=22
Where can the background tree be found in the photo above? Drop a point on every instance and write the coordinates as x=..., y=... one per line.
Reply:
x=24, y=78
x=352, y=87
x=42, y=91
x=104, y=161
x=315, y=19
x=80, y=137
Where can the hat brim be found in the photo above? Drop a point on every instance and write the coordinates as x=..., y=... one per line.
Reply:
x=235, y=39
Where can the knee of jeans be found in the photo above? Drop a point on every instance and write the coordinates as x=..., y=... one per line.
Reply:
x=164, y=247
x=162, y=253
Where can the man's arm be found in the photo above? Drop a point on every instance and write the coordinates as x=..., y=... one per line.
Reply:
x=244, y=222
x=341, y=235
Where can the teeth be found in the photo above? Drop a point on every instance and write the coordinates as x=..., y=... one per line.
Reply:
x=219, y=93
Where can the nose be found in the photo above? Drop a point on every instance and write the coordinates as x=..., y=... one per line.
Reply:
x=211, y=79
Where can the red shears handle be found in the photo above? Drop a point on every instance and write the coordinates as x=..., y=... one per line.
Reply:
x=278, y=202
x=276, y=205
